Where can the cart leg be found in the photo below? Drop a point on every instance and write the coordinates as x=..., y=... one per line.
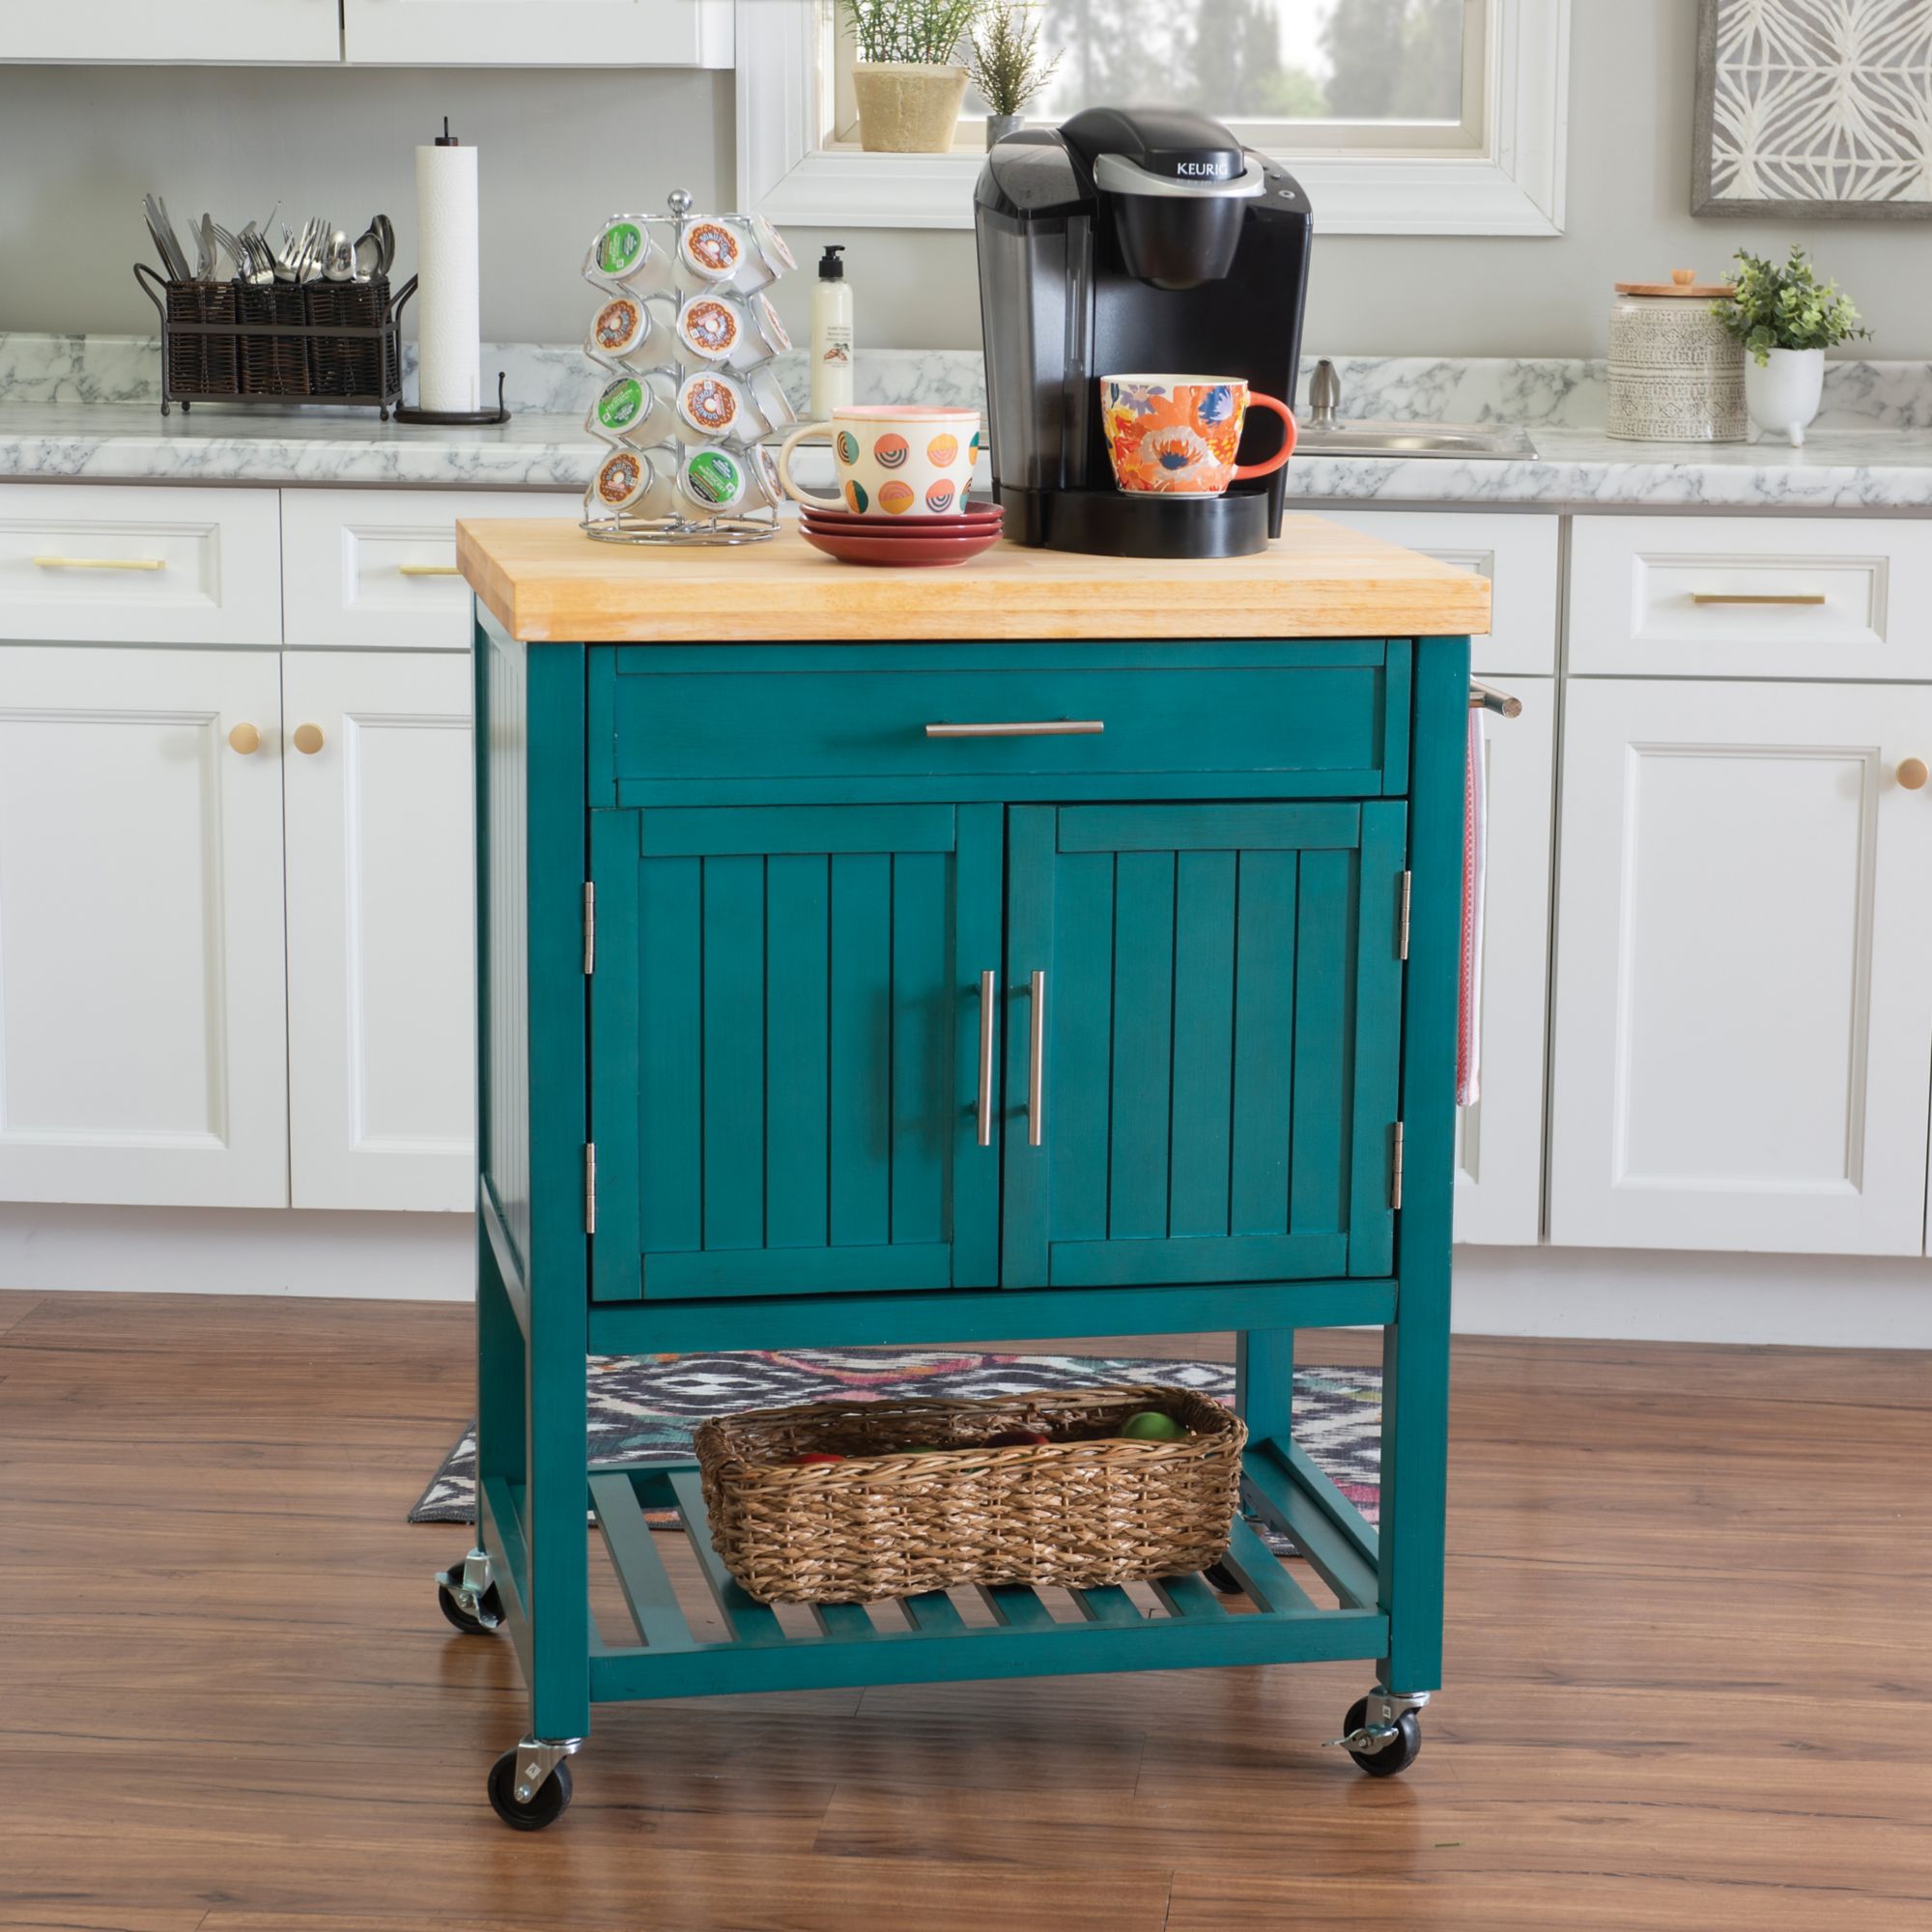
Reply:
x=1415, y=1346
x=1264, y=1396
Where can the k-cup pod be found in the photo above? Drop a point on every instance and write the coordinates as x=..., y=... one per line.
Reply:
x=634, y=409
x=765, y=260
x=628, y=479
x=625, y=251
x=712, y=250
x=717, y=481
x=768, y=394
x=721, y=329
x=720, y=407
x=622, y=327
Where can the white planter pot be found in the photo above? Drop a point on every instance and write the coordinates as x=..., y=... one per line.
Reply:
x=907, y=107
x=1783, y=396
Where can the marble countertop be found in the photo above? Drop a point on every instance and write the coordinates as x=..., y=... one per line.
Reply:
x=85, y=406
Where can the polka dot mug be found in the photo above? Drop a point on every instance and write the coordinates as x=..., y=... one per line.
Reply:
x=892, y=460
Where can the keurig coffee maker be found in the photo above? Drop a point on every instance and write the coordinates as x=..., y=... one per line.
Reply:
x=1132, y=240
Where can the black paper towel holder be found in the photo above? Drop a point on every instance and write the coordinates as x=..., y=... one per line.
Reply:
x=411, y=413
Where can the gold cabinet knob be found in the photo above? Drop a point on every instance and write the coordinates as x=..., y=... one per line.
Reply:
x=308, y=738
x=1912, y=773
x=244, y=738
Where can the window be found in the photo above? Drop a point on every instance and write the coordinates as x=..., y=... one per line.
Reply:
x=1399, y=116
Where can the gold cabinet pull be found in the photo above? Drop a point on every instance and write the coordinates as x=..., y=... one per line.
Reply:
x=307, y=739
x=989, y=981
x=1041, y=728
x=245, y=739
x=429, y=570
x=1757, y=597
x=1912, y=773
x=1036, y=1061
x=101, y=563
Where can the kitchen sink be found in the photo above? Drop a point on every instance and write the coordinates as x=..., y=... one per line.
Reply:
x=1364, y=437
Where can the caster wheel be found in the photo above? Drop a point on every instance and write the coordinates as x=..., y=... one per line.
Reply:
x=461, y=1619
x=552, y=1800
x=1220, y=1577
x=1398, y=1755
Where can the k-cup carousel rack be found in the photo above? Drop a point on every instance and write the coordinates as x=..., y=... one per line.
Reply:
x=686, y=336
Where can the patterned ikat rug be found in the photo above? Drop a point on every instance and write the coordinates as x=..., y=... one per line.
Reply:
x=644, y=1407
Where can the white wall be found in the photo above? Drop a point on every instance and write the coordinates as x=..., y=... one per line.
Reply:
x=78, y=146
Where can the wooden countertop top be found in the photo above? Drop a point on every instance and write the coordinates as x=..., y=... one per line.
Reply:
x=544, y=580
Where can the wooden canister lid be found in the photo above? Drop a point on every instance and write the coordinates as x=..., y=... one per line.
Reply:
x=1682, y=282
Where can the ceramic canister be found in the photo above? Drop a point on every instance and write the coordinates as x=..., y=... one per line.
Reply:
x=1677, y=375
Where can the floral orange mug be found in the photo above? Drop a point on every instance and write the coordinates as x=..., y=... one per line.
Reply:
x=1179, y=434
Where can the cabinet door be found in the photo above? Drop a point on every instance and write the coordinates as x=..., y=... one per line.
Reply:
x=209, y=30
x=538, y=32
x=141, y=1044
x=1743, y=1014
x=1500, y=1140
x=1202, y=1018
x=785, y=1023
x=381, y=889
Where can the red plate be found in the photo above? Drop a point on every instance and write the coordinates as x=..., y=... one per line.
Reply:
x=904, y=549
x=986, y=517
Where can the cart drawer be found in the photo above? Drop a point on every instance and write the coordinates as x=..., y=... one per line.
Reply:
x=966, y=723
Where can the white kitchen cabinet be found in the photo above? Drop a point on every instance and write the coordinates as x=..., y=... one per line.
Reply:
x=1499, y=1139
x=255, y=31
x=141, y=1008
x=364, y=568
x=538, y=32
x=1743, y=1042
x=116, y=563
x=1517, y=552
x=381, y=1026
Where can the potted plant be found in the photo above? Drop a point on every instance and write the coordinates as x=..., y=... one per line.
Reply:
x=908, y=84
x=1786, y=318
x=1003, y=59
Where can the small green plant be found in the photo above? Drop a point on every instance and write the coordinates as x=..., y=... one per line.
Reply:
x=925, y=32
x=1005, y=59
x=1786, y=307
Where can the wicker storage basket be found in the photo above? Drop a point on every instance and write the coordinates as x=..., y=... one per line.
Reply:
x=1084, y=1509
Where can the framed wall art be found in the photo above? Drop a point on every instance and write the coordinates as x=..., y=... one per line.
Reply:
x=1814, y=107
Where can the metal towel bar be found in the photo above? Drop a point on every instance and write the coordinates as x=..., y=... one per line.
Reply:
x=1486, y=697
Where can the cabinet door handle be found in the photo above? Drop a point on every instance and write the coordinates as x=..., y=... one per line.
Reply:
x=989, y=982
x=307, y=739
x=1030, y=728
x=429, y=570
x=1912, y=773
x=101, y=563
x=245, y=739
x=1757, y=597
x=1037, y=1060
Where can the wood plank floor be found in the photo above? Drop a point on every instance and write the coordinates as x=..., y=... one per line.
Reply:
x=1690, y=1664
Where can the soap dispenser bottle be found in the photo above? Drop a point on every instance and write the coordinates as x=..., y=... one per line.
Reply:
x=831, y=335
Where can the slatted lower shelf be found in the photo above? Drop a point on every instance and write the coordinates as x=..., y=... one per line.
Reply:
x=897, y=1642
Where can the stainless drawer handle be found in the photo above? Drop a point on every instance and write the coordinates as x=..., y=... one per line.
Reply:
x=989, y=981
x=429, y=570
x=1486, y=697
x=1044, y=728
x=1757, y=597
x=1036, y=1061
x=101, y=563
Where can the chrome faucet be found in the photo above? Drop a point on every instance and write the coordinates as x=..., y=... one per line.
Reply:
x=1325, y=395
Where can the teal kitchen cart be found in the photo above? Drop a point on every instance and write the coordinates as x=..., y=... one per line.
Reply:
x=1047, y=947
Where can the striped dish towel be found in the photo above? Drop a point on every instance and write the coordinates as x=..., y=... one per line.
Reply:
x=1475, y=839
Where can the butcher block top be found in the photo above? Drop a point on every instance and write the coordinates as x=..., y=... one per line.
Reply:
x=544, y=582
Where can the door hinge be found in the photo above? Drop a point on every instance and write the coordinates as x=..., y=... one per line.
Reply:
x=590, y=927
x=1395, y=1167
x=1402, y=942
x=589, y=1187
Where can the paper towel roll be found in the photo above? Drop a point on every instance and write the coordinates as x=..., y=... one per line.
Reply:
x=449, y=323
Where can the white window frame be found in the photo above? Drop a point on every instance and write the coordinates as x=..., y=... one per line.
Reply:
x=1514, y=189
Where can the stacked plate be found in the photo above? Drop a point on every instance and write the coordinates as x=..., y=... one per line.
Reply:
x=912, y=540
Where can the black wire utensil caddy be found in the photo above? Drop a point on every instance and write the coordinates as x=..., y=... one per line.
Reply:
x=283, y=343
